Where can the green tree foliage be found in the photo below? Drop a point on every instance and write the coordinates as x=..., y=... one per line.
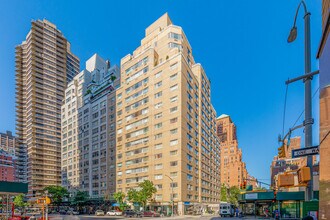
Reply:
x=80, y=198
x=142, y=196
x=234, y=191
x=119, y=197
x=19, y=201
x=56, y=193
x=224, y=192
x=113, y=78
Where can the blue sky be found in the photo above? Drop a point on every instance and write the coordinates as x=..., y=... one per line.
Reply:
x=241, y=45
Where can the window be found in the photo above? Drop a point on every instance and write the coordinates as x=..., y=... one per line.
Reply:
x=174, y=99
x=158, y=176
x=173, y=120
x=173, y=163
x=159, y=115
x=159, y=125
x=174, y=76
x=157, y=75
x=173, y=152
x=158, y=105
x=174, y=185
x=157, y=136
x=173, y=174
x=159, y=94
x=159, y=166
x=136, y=75
x=174, y=142
x=158, y=156
x=174, y=109
x=189, y=167
x=174, y=36
x=159, y=84
x=174, y=66
x=172, y=88
x=158, y=146
x=189, y=177
x=174, y=131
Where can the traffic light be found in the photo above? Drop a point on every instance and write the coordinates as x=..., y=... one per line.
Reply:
x=281, y=151
x=304, y=174
x=244, y=185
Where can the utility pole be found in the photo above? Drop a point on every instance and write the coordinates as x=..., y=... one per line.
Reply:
x=172, y=196
x=308, y=91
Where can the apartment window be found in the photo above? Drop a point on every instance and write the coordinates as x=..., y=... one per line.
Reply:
x=157, y=136
x=174, y=185
x=173, y=152
x=159, y=94
x=119, y=96
x=174, y=99
x=174, y=76
x=174, y=109
x=174, y=131
x=157, y=75
x=158, y=105
x=189, y=177
x=173, y=163
x=159, y=166
x=174, y=36
x=172, y=88
x=159, y=197
x=158, y=156
x=173, y=120
x=158, y=176
x=158, y=146
x=189, y=167
x=159, y=115
x=159, y=125
x=189, y=157
x=174, y=142
x=159, y=186
x=159, y=84
x=173, y=174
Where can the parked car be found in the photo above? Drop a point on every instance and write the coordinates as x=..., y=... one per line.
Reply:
x=132, y=213
x=114, y=212
x=99, y=212
x=72, y=212
x=150, y=214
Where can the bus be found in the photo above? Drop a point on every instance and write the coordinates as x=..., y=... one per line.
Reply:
x=226, y=209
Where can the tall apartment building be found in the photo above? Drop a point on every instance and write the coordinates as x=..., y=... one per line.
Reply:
x=233, y=169
x=88, y=130
x=10, y=146
x=44, y=66
x=324, y=56
x=166, y=122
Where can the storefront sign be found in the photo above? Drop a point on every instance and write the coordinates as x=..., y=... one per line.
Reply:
x=251, y=196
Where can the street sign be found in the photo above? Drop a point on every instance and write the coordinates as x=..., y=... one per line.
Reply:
x=305, y=152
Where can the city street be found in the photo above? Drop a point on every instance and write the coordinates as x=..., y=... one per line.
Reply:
x=85, y=217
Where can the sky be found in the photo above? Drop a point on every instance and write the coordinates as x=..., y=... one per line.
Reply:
x=241, y=45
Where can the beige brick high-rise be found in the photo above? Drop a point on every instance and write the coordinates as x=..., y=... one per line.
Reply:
x=233, y=169
x=44, y=66
x=166, y=122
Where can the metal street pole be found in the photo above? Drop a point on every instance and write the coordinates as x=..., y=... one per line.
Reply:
x=172, y=197
x=308, y=91
x=46, y=204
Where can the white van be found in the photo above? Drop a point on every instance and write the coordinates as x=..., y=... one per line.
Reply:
x=226, y=209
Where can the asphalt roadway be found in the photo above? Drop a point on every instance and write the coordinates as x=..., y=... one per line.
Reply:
x=85, y=217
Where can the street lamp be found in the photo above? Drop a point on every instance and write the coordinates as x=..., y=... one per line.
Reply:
x=308, y=89
x=172, y=197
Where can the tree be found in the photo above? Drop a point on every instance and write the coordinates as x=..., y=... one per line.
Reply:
x=224, y=192
x=19, y=201
x=147, y=191
x=142, y=196
x=234, y=191
x=119, y=197
x=113, y=78
x=56, y=193
x=80, y=198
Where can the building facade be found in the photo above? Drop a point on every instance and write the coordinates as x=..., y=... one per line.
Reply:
x=233, y=169
x=166, y=122
x=88, y=130
x=324, y=66
x=44, y=66
x=10, y=147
